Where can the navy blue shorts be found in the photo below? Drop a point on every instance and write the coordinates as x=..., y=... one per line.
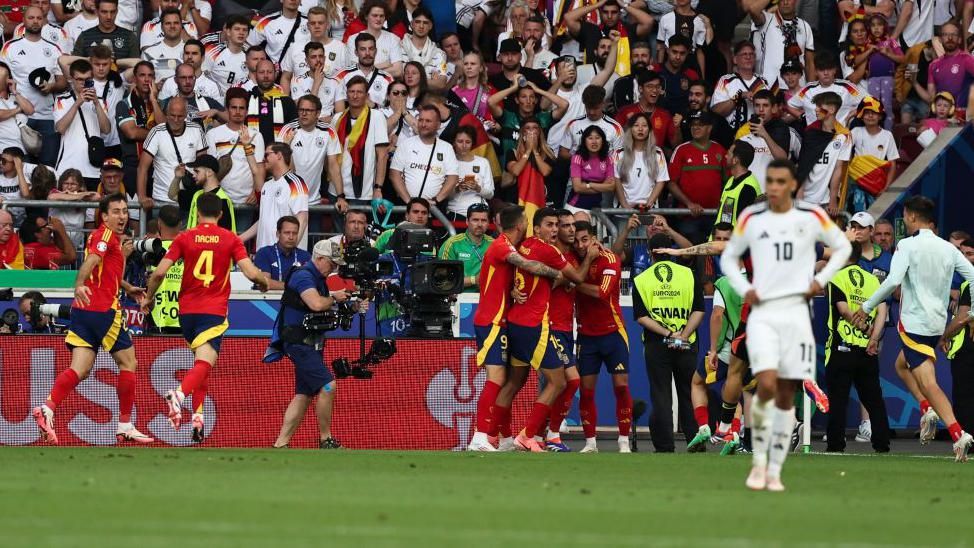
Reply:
x=611, y=350
x=918, y=348
x=491, y=344
x=199, y=329
x=96, y=330
x=310, y=372
x=535, y=346
x=567, y=341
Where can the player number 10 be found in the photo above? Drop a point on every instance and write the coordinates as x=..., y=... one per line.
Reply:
x=203, y=270
x=783, y=251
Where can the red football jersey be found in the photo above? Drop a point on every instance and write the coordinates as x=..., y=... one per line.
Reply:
x=496, y=280
x=562, y=309
x=602, y=315
x=208, y=253
x=106, y=279
x=534, y=311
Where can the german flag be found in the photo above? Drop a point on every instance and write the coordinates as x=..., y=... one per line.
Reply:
x=531, y=192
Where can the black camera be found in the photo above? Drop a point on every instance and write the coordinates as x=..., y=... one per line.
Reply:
x=7, y=294
x=328, y=320
x=362, y=265
x=382, y=349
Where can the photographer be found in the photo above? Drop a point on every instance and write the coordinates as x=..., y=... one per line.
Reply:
x=305, y=293
x=39, y=323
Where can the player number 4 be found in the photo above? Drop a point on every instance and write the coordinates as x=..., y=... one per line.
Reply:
x=203, y=270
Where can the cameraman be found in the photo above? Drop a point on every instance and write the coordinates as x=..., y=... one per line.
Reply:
x=306, y=291
x=417, y=212
x=44, y=323
x=165, y=309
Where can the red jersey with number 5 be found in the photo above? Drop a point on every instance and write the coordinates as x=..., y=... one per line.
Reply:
x=208, y=253
x=496, y=280
x=534, y=311
x=106, y=278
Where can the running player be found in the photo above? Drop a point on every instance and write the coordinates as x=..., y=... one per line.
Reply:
x=781, y=237
x=602, y=337
x=490, y=321
x=96, y=321
x=562, y=310
x=529, y=328
x=923, y=266
x=208, y=253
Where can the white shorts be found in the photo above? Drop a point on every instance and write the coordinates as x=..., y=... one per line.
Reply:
x=780, y=338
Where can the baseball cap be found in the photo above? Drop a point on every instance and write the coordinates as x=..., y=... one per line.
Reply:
x=702, y=117
x=111, y=163
x=330, y=249
x=863, y=219
x=38, y=77
x=208, y=162
x=510, y=45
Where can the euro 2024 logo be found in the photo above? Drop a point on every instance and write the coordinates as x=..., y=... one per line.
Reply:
x=452, y=401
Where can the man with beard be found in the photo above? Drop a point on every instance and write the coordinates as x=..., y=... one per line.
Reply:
x=610, y=16
x=697, y=100
x=509, y=56
x=536, y=55
x=80, y=21
x=734, y=93
x=270, y=107
x=377, y=82
x=135, y=115
x=626, y=89
x=199, y=108
x=52, y=33
x=202, y=85
x=587, y=72
x=124, y=43
x=951, y=73
x=771, y=138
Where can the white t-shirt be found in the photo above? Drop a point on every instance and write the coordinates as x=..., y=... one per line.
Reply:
x=667, y=28
x=387, y=45
x=52, y=33
x=769, y=42
x=328, y=92
x=110, y=102
x=10, y=190
x=587, y=73
x=573, y=134
x=225, y=68
x=336, y=59
x=129, y=14
x=279, y=197
x=164, y=58
x=9, y=130
x=309, y=162
x=850, y=93
x=542, y=60
x=23, y=57
x=204, y=87
x=882, y=145
x=239, y=181
x=763, y=157
x=413, y=157
x=920, y=26
x=152, y=32
x=377, y=135
x=377, y=91
x=479, y=170
x=556, y=133
x=730, y=85
x=816, y=187
x=74, y=143
x=638, y=185
x=434, y=62
x=78, y=24
x=159, y=144
x=274, y=29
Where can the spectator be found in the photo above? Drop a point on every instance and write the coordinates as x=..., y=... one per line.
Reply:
x=11, y=250
x=245, y=147
x=471, y=16
x=855, y=54
x=377, y=82
x=270, y=107
x=782, y=36
x=129, y=14
x=474, y=90
x=650, y=86
x=733, y=96
x=41, y=182
x=226, y=64
x=76, y=130
x=883, y=63
x=47, y=245
x=606, y=54
x=154, y=31
x=852, y=10
x=641, y=169
x=424, y=166
x=167, y=51
x=470, y=246
x=315, y=82
x=32, y=62
x=594, y=100
x=71, y=189
x=792, y=75
x=335, y=58
x=205, y=171
x=943, y=116
x=14, y=107
x=530, y=159
x=592, y=171
x=202, y=86
x=741, y=189
x=626, y=89
x=697, y=175
x=883, y=235
x=872, y=146
x=511, y=121
x=698, y=100
x=50, y=32
x=450, y=44
x=418, y=46
x=914, y=108
x=475, y=180
x=568, y=87
x=75, y=23
x=914, y=23
x=826, y=147
x=693, y=28
x=364, y=143
x=400, y=120
x=518, y=13
x=388, y=47
x=316, y=152
x=610, y=12
x=280, y=31
x=874, y=259
x=770, y=137
x=509, y=56
x=953, y=72
x=417, y=212
x=536, y=53
x=255, y=54
x=277, y=259
x=414, y=77
x=135, y=115
x=111, y=183
x=108, y=87
x=176, y=142
x=124, y=43
x=850, y=94
x=14, y=183
x=285, y=193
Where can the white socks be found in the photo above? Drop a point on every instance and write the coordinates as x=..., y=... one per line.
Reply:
x=762, y=415
x=781, y=430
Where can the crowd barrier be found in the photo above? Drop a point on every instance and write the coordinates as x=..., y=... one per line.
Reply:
x=425, y=397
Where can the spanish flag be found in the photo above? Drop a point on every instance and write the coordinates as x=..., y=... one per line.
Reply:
x=531, y=192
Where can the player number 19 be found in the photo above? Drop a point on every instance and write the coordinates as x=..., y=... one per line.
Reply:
x=203, y=270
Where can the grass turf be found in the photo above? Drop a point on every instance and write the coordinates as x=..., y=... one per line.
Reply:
x=146, y=498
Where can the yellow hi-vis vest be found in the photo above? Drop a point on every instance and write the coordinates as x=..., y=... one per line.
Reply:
x=957, y=342
x=730, y=197
x=165, y=310
x=666, y=289
x=857, y=285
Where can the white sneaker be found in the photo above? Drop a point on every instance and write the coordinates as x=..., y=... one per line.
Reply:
x=775, y=485
x=590, y=446
x=480, y=443
x=865, y=434
x=962, y=446
x=624, y=444
x=506, y=445
x=928, y=426
x=128, y=432
x=757, y=480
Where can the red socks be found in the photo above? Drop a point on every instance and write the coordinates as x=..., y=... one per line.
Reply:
x=536, y=420
x=924, y=405
x=63, y=385
x=700, y=413
x=502, y=421
x=195, y=378
x=623, y=409
x=955, y=431
x=563, y=403
x=485, y=405
x=199, y=396
x=586, y=407
x=125, y=388
x=736, y=425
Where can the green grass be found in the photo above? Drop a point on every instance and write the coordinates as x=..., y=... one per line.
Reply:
x=147, y=498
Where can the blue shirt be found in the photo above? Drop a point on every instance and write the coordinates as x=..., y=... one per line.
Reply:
x=275, y=261
x=304, y=278
x=879, y=265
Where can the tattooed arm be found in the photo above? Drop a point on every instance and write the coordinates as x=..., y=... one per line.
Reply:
x=706, y=248
x=534, y=267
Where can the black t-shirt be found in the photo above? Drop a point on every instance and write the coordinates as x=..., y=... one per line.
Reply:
x=124, y=43
x=501, y=82
x=721, y=132
x=967, y=350
x=589, y=35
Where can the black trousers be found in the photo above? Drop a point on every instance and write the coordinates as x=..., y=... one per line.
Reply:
x=843, y=371
x=962, y=393
x=664, y=366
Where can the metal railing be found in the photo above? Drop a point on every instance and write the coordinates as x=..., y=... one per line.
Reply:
x=605, y=215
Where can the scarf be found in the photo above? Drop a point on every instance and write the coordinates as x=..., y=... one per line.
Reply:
x=814, y=143
x=261, y=105
x=740, y=107
x=352, y=137
x=423, y=55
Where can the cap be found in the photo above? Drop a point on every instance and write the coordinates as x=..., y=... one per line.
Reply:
x=510, y=45
x=206, y=161
x=871, y=104
x=701, y=116
x=792, y=64
x=38, y=77
x=863, y=219
x=330, y=249
x=111, y=163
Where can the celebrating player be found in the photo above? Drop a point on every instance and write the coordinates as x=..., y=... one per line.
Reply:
x=923, y=265
x=208, y=253
x=96, y=321
x=781, y=236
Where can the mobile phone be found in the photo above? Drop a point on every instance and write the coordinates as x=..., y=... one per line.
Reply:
x=522, y=81
x=755, y=119
x=647, y=220
x=89, y=83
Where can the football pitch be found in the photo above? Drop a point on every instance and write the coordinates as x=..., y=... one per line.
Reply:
x=107, y=497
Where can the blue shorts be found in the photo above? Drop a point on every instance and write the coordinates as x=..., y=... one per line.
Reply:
x=567, y=341
x=535, y=346
x=491, y=344
x=199, y=329
x=918, y=348
x=96, y=330
x=310, y=372
x=611, y=349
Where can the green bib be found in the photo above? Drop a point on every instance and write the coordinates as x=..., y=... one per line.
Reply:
x=666, y=289
x=165, y=311
x=732, y=311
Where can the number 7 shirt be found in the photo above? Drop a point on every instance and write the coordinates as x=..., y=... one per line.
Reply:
x=208, y=253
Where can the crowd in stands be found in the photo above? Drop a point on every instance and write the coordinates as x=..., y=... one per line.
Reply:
x=278, y=106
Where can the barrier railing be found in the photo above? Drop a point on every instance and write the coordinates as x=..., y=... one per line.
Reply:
x=604, y=215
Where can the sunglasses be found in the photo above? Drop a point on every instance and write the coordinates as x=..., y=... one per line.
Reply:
x=399, y=93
